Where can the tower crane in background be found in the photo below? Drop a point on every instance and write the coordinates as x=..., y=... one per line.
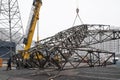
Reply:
x=33, y=18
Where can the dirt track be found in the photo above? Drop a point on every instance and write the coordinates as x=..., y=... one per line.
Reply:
x=96, y=73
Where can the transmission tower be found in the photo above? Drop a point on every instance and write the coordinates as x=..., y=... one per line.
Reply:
x=11, y=28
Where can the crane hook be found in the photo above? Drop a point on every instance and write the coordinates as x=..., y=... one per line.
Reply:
x=77, y=10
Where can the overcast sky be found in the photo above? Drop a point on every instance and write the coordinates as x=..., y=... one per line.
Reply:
x=57, y=15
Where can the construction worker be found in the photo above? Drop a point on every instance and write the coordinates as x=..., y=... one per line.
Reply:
x=9, y=64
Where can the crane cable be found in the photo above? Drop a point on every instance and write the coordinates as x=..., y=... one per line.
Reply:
x=77, y=13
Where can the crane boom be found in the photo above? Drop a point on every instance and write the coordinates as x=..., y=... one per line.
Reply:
x=33, y=18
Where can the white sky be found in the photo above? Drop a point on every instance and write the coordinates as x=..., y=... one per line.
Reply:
x=57, y=15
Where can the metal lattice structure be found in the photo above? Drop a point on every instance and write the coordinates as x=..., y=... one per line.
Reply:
x=70, y=38
x=11, y=29
x=99, y=34
x=72, y=48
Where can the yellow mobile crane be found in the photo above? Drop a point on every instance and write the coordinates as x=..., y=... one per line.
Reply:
x=33, y=18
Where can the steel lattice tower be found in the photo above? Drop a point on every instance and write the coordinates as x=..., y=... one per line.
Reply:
x=11, y=28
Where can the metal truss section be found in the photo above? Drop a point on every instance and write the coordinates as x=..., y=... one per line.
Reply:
x=47, y=48
x=84, y=57
x=99, y=34
x=71, y=48
x=69, y=38
x=11, y=28
x=61, y=58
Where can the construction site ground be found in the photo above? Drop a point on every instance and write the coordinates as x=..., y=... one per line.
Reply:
x=91, y=73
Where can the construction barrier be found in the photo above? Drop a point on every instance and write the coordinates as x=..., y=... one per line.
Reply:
x=1, y=62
